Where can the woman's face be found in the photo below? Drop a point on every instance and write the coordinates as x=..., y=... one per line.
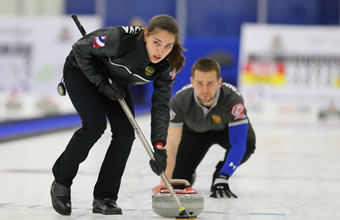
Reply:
x=158, y=44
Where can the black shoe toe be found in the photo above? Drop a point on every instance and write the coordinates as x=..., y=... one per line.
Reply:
x=61, y=198
x=106, y=207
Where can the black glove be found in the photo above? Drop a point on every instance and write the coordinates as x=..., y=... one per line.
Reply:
x=220, y=187
x=159, y=164
x=113, y=91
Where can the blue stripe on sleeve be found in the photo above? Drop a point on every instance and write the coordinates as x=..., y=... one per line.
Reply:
x=238, y=141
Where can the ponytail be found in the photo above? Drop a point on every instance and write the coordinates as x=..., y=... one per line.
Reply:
x=176, y=57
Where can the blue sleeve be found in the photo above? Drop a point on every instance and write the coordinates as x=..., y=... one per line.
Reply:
x=238, y=141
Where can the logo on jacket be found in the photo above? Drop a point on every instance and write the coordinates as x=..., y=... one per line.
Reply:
x=149, y=70
x=238, y=110
x=131, y=29
x=99, y=41
x=172, y=114
x=217, y=119
x=232, y=165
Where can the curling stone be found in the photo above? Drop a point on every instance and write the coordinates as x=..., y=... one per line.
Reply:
x=164, y=205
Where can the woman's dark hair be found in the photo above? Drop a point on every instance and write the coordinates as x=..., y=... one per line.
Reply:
x=168, y=23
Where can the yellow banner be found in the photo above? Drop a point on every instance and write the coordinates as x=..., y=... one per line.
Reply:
x=263, y=73
x=337, y=82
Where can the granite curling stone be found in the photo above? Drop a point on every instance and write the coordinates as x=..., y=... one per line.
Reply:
x=164, y=205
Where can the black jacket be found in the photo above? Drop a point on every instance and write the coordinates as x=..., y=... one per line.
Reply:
x=124, y=56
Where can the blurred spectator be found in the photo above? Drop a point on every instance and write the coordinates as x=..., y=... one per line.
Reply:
x=137, y=21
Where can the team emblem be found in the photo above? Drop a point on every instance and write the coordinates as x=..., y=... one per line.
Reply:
x=217, y=119
x=99, y=41
x=149, y=70
x=238, y=110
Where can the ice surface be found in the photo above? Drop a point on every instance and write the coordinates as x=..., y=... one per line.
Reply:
x=294, y=174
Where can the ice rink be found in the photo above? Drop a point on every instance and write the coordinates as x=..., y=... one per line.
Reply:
x=294, y=174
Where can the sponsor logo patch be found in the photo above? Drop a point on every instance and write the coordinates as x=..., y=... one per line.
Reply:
x=238, y=110
x=99, y=41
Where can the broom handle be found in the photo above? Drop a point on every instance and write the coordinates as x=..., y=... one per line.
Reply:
x=149, y=151
x=134, y=124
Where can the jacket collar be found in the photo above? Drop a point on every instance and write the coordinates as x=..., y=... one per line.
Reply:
x=140, y=55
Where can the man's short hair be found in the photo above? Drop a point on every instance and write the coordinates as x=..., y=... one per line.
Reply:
x=206, y=64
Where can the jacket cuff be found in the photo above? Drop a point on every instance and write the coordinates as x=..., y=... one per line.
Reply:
x=159, y=143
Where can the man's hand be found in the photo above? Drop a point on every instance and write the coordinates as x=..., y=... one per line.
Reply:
x=113, y=91
x=159, y=164
x=220, y=187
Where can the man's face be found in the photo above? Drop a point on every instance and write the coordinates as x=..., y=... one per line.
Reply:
x=205, y=85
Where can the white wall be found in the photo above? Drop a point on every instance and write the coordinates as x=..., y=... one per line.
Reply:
x=32, y=7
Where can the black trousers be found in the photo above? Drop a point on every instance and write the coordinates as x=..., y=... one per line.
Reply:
x=94, y=109
x=194, y=146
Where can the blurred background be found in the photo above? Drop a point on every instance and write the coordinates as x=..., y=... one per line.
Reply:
x=284, y=56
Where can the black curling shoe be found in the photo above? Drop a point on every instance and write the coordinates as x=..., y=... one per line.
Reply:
x=106, y=207
x=61, y=198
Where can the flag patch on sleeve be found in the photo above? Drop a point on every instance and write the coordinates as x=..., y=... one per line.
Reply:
x=173, y=74
x=99, y=41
